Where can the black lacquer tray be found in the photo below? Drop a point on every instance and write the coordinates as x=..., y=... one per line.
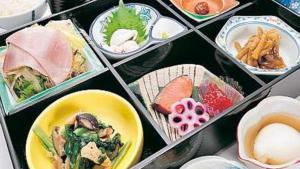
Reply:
x=194, y=46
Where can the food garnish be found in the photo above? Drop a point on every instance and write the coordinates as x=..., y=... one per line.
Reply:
x=31, y=67
x=86, y=143
x=124, y=30
x=202, y=8
x=187, y=114
x=261, y=50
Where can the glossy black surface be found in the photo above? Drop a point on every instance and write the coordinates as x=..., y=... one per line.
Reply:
x=20, y=123
x=221, y=133
x=189, y=49
x=258, y=8
x=195, y=46
x=193, y=22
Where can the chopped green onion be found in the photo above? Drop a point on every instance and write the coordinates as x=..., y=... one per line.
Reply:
x=45, y=140
x=122, y=152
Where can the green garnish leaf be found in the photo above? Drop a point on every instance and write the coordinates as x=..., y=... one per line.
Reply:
x=164, y=35
x=195, y=94
x=124, y=18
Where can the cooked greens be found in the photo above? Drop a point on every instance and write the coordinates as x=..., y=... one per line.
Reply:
x=84, y=144
x=26, y=82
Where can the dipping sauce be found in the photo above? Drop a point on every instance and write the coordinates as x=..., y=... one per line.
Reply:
x=14, y=7
x=267, y=140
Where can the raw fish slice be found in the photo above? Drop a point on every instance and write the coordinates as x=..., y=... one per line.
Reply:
x=121, y=36
x=179, y=88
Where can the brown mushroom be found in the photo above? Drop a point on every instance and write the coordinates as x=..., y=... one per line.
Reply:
x=106, y=133
x=88, y=121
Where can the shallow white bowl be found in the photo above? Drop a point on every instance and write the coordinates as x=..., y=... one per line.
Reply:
x=240, y=28
x=36, y=12
x=270, y=105
x=155, y=25
x=212, y=162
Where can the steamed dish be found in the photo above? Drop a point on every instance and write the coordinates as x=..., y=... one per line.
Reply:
x=125, y=30
x=14, y=7
x=276, y=144
x=84, y=142
x=261, y=50
x=40, y=57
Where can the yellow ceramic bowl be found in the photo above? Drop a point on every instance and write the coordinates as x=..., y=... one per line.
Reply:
x=108, y=107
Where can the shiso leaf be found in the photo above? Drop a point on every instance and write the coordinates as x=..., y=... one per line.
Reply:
x=195, y=94
x=124, y=18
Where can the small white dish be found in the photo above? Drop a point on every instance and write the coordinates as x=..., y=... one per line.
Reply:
x=12, y=21
x=270, y=105
x=240, y=28
x=155, y=26
x=212, y=162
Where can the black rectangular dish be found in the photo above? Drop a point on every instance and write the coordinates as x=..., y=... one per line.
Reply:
x=195, y=45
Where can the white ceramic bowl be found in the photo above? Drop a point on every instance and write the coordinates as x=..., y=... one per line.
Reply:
x=240, y=28
x=274, y=104
x=212, y=162
x=155, y=25
x=12, y=21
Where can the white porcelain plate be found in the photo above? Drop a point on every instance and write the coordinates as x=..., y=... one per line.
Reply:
x=240, y=28
x=156, y=25
x=212, y=162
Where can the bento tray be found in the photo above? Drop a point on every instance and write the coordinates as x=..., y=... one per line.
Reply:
x=194, y=46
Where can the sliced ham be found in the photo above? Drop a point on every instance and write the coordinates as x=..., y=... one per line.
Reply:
x=16, y=58
x=43, y=49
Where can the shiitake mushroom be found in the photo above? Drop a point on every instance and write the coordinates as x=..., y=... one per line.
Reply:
x=88, y=121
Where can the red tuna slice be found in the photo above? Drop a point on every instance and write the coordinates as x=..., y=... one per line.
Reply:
x=214, y=98
x=177, y=89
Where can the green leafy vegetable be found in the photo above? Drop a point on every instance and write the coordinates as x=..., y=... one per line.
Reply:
x=85, y=164
x=45, y=140
x=72, y=147
x=80, y=131
x=122, y=152
x=76, y=137
x=195, y=94
x=125, y=18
